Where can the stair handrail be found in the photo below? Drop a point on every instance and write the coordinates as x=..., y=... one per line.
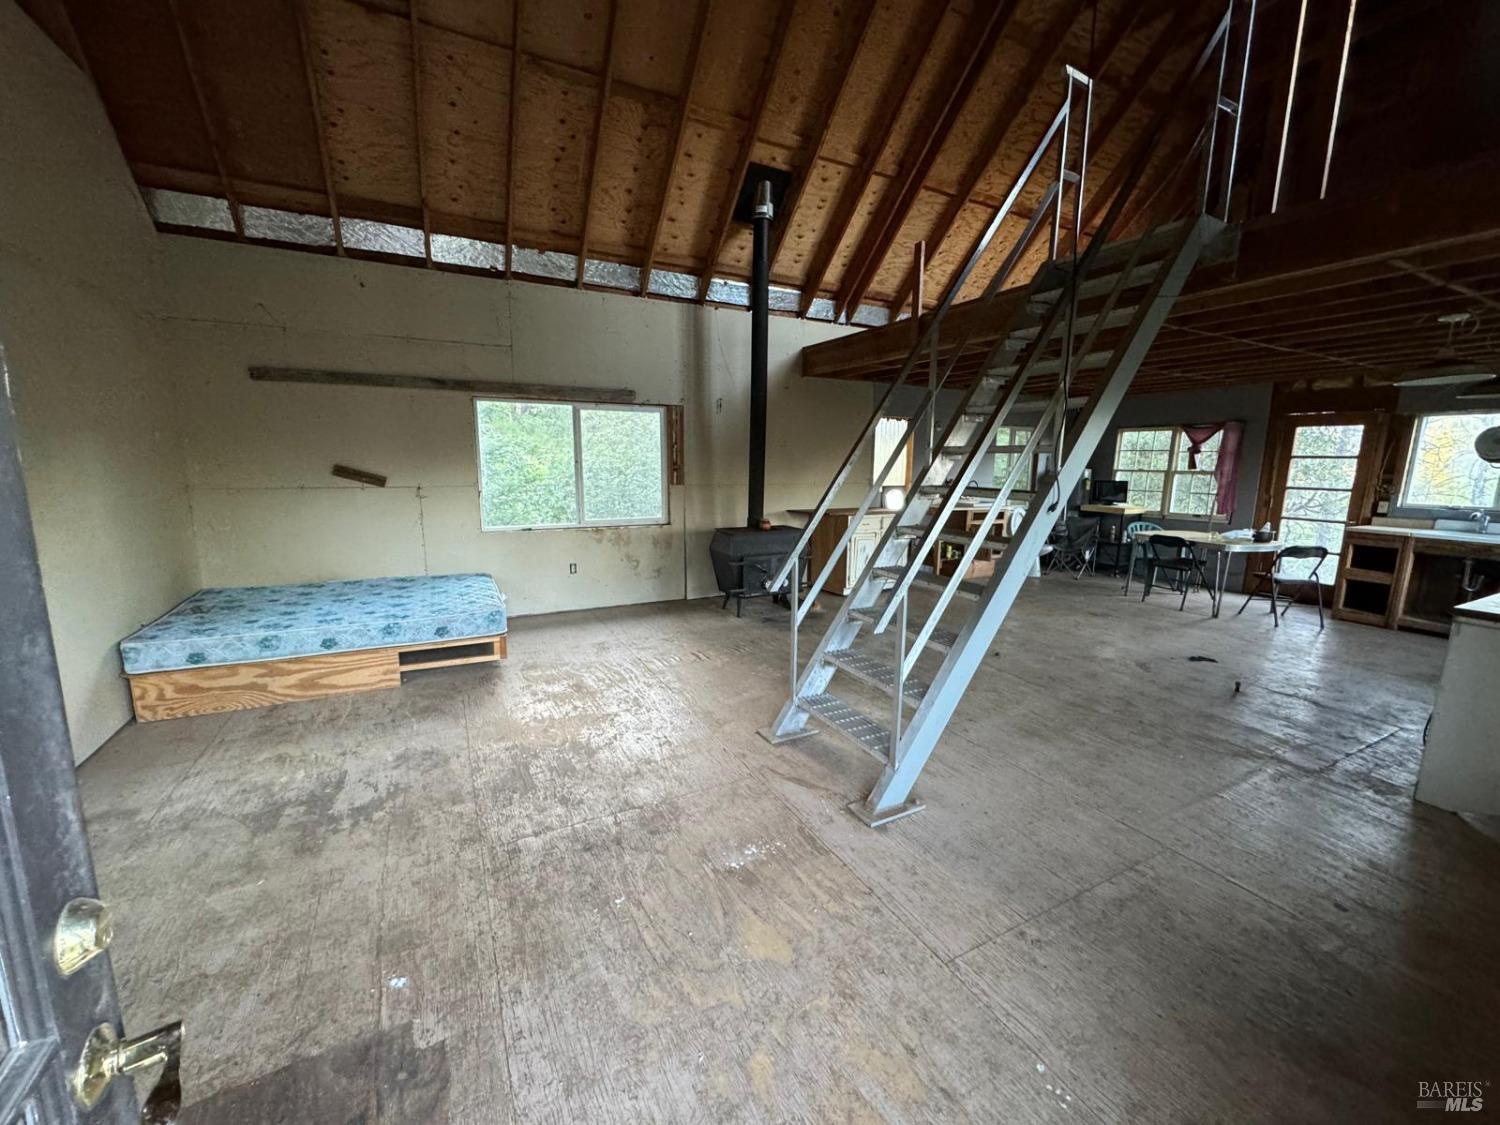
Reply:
x=928, y=338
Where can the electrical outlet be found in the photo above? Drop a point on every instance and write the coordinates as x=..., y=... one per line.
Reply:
x=572, y=568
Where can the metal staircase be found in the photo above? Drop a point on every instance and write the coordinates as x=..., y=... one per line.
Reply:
x=1098, y=310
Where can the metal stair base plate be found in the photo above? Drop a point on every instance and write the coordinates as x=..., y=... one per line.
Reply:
x=874, y=819
x=770, y=735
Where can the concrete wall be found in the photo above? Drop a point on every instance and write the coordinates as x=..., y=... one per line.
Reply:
x=101, y=457
x=266, y=510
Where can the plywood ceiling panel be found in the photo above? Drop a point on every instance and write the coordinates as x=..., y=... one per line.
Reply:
x=258, y=100
x=553, y=131
x=363, y=63
x=465, y=123
x=136, y=60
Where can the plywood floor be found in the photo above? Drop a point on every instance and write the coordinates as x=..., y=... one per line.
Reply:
x=578, y=888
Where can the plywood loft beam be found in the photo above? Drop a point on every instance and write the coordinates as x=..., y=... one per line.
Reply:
x=679, y=135
x=299, y=10
x=862, y=22
x=884, y=231
x=747, y=145
x=235, y=211
x=1000, y=126
x=849, y=200
x=588, y=187
x=416, y=113
x=510, y=136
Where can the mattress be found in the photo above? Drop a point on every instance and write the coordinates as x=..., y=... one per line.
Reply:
x=235, y=625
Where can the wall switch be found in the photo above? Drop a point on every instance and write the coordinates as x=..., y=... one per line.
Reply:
x=572, y=568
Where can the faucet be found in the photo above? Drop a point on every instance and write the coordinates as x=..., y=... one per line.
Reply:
x=1482, y=519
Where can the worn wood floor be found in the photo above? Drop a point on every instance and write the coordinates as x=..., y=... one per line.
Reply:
x=1170, y=870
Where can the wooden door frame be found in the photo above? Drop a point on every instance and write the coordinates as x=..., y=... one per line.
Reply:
x=1373, y=456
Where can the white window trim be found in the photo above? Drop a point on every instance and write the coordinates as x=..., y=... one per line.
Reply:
x=577, y=407
x=1404, y=503
x=1169, y=474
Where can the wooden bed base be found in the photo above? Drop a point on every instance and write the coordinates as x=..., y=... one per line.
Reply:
x=234, y=687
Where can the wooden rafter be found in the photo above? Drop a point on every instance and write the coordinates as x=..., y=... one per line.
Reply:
x=300, y=11
x=908, y=185
x=695, y=56
x=838, y=227
x=235, y=211
x=863, y=21
x=747, y=144
x=994, y=139
x=588, y=189
x=416, y=112
x=510, y=137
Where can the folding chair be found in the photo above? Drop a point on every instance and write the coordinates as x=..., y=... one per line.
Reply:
x=1277, y=580
x=1077, y=549
x=1175, y=555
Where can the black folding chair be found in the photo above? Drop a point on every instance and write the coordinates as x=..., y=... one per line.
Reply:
x=1175, y=556
x=1278, y=580
x=1077, y=548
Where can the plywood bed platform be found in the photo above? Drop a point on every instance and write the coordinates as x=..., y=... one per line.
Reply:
x=229, y=648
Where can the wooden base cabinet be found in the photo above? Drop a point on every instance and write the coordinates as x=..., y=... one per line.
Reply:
x=1392, y=577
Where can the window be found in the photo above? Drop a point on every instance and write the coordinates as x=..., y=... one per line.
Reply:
x=1154, y=463
x=1010, y=447
x=889, y=434
x=1444, y=471
x=557, y=464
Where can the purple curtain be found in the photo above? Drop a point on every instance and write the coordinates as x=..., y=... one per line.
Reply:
x=1227, y=468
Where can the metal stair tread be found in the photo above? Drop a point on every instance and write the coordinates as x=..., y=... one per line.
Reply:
x=854, y=724
x=877, y=673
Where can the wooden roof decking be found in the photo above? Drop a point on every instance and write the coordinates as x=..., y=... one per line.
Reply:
x=618, y=127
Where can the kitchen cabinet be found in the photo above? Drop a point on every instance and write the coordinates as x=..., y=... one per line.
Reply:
x=1411, y=578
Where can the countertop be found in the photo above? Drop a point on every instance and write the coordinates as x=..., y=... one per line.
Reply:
x=1430, y=533
x=1484, y=609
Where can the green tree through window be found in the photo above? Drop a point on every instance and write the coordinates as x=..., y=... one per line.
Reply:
x=546, y=464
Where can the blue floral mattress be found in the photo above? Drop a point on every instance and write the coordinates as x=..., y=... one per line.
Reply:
x=234, y=625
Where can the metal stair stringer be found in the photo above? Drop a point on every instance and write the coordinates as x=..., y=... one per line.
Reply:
x=892, y=795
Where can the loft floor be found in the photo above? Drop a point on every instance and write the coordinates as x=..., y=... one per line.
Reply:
x=579, y=888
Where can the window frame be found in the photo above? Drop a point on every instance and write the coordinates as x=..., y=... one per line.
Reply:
x=1403, y=495
x=1027, y=483
x=577, y=408
x=1176, y=449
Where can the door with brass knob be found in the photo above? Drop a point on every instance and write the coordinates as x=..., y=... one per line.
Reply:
x=62, y=1058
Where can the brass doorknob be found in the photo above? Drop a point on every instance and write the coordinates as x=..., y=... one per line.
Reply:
x=106, y=1056
x=84, y=930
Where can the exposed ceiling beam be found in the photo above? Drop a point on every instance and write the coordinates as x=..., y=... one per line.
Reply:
x=747, y=145
x=862, y=24
x=593, y=176
x=993, y=143
x=416, y=113
x=908, y=184
x=235, y=211
x=849, y=200
x=695, y=58
x=516, y=63
x=299, y=8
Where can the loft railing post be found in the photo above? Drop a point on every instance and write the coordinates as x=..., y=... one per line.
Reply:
x=1083, y=158
x=792, y=592
x=1231, y=148
x=1062, y=169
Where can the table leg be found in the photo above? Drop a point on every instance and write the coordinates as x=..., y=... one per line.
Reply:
x=1129, y=567
x=1221, y=572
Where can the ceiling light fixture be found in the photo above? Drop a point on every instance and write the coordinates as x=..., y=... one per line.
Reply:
x=1448, y=367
